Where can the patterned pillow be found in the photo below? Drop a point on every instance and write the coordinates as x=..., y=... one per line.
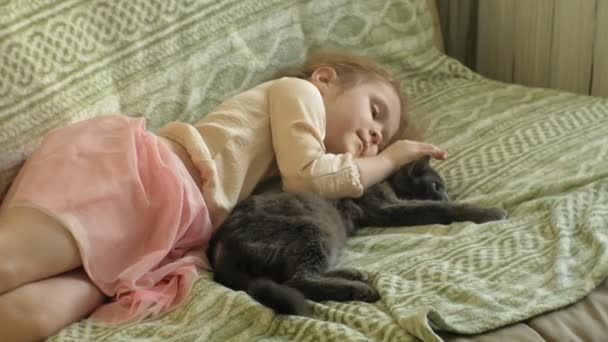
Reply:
x=174, y=60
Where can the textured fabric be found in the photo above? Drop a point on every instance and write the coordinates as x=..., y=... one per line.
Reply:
x=131, y=206
x=542, y=154
x=240, y=143
x=585, y=320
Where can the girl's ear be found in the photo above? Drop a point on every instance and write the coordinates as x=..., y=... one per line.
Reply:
x=323, y=76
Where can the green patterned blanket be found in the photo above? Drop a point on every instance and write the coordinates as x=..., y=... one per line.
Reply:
x=541, y=154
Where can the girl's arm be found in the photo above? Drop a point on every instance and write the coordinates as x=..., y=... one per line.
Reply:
x=377, y=168
x=297, y=120
x=297, y=123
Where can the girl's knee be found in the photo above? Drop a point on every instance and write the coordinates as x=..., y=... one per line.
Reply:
x=33, y=246
x=22, y=317
x=9, y=274
x=40, y=309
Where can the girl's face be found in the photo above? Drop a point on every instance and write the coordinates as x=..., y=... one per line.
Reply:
x=361, y=119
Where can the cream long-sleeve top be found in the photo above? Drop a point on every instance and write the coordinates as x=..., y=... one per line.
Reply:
x=277, y=127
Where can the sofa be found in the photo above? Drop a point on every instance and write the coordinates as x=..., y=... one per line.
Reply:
x=541, y=154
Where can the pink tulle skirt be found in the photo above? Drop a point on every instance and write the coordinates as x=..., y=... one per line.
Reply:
x=139, y=220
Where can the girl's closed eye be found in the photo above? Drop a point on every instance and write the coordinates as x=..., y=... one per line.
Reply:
x=374, y=111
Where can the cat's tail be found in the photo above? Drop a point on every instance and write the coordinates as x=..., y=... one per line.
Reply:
x=281, y=298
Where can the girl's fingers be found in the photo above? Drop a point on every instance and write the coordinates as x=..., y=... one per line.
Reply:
x=441, y=155
x=424, y=149
x=437, y=153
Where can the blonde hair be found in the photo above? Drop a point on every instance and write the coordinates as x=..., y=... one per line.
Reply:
x=352, y=69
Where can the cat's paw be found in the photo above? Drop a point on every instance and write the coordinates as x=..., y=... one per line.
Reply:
x=492, y=214
x=348, y=274
x=365, y=293
x=498, y=214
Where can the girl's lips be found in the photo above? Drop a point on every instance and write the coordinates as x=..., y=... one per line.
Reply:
x=364, y=146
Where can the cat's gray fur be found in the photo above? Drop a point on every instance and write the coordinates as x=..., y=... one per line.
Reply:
x=280, y=247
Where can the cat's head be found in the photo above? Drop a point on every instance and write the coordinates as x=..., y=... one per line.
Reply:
x=418, y=180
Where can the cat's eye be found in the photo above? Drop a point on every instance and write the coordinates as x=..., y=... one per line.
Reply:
x=437, y=186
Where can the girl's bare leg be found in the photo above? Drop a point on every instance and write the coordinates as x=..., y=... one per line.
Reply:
x=33, y=246
x=40, y=309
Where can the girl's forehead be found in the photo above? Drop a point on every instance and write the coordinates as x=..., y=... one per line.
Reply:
x=382, y=94
x=387, y=94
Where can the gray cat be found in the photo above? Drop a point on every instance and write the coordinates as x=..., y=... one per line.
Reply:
x=280, y=247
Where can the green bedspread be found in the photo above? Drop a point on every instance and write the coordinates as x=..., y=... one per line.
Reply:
x=541, y=154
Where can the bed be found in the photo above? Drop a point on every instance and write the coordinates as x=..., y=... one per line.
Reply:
x=541, y=154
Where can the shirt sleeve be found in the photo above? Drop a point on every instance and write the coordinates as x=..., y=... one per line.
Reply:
x=297, y=120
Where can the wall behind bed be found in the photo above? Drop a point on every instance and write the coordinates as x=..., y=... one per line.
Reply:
x=561, y=44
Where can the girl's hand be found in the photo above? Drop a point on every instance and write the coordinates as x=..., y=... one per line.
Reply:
x=376, y=168
x=404, y=151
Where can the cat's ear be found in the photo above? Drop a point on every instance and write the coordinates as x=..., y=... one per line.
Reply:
x=426, y=160
x=419, y=165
